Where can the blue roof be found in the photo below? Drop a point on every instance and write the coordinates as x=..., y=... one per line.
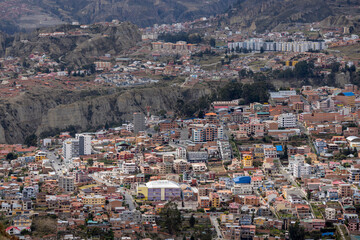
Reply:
x=279, y=148
x=327, y=234
x=349, y=94
x=242, y=180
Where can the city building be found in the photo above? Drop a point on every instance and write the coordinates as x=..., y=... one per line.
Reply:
x=139, y=122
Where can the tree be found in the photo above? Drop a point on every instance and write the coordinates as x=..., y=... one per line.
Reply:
x=170, y=218
x=308, y=194
x=296, y=232
x=335, y=67
x=192, y=221
x=90, y=162
x=212, y=42
x=301, y=69
x=11, y=156
x=31, y=140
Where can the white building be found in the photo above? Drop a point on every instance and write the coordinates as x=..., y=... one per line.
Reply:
x=181, y=153
x=128, y=168
x=70, y=149
x=270, y=151
x=242, y=189
x=330, y=214
x=287, y=120
x=84, y=144
x=301, y=169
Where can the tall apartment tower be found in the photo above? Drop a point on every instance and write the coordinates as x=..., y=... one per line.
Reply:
x=84, y=144
x=75, y=147
x=139, y=122
x=70, y=149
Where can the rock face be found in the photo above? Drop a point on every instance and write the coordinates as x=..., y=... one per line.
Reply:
x=49, y=111
x=262, y=15
x=140, y=12
x=77, y=50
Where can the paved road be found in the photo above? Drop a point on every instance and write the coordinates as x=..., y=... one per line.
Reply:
x=215, y=223
x=341, y=232
x=55, y=162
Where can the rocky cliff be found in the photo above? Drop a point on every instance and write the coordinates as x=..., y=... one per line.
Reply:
x=262, y=15
x=30, y=14
x=49, y=111
x=76, y=50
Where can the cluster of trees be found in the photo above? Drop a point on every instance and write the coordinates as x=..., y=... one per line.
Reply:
x=255, y=92
x=241, y=50
x=170, y=218
x=181, y=36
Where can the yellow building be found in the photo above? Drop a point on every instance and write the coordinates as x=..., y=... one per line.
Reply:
x=259, y=221
x=94, y=200
x=247, y=160
x=142, y=191
x=215, y=200
x=40, y=156
x=259, y=151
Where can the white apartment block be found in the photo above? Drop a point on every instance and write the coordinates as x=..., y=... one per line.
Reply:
x=330, y=214
x=287, y=120
x=270, y=151
x=128, y=168
x=181, y=153
x=70, y=149
x=256, y=44
x=301, y=169
x=84, y=144
x=242, y=189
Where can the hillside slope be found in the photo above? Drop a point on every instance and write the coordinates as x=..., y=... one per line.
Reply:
x=261, y=15
x=39, y=13
x=76, y=50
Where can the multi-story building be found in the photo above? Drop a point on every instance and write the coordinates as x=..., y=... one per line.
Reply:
x=181, y=152
x=162, y=190
x=207, y=133
x=128, y=167
x=67, y=183
x=30, y=191
x=301, y=169
x=84, y=144
x=270, y=151
x=70, y=149
x=247, y=160
x=287, y=120
x=94, y=200
x=165, y=167
x=214, y=199
x=199, y=156
x=139, y=122
x=330, y=214
x=204, y=201
x=40, y=156
x=345, y=190
x=354, y=175
x=181, y=166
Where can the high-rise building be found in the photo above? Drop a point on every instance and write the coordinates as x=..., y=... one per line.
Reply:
x=139, y=122
x=70, y=149
x=84, y=144
x=73, y=148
